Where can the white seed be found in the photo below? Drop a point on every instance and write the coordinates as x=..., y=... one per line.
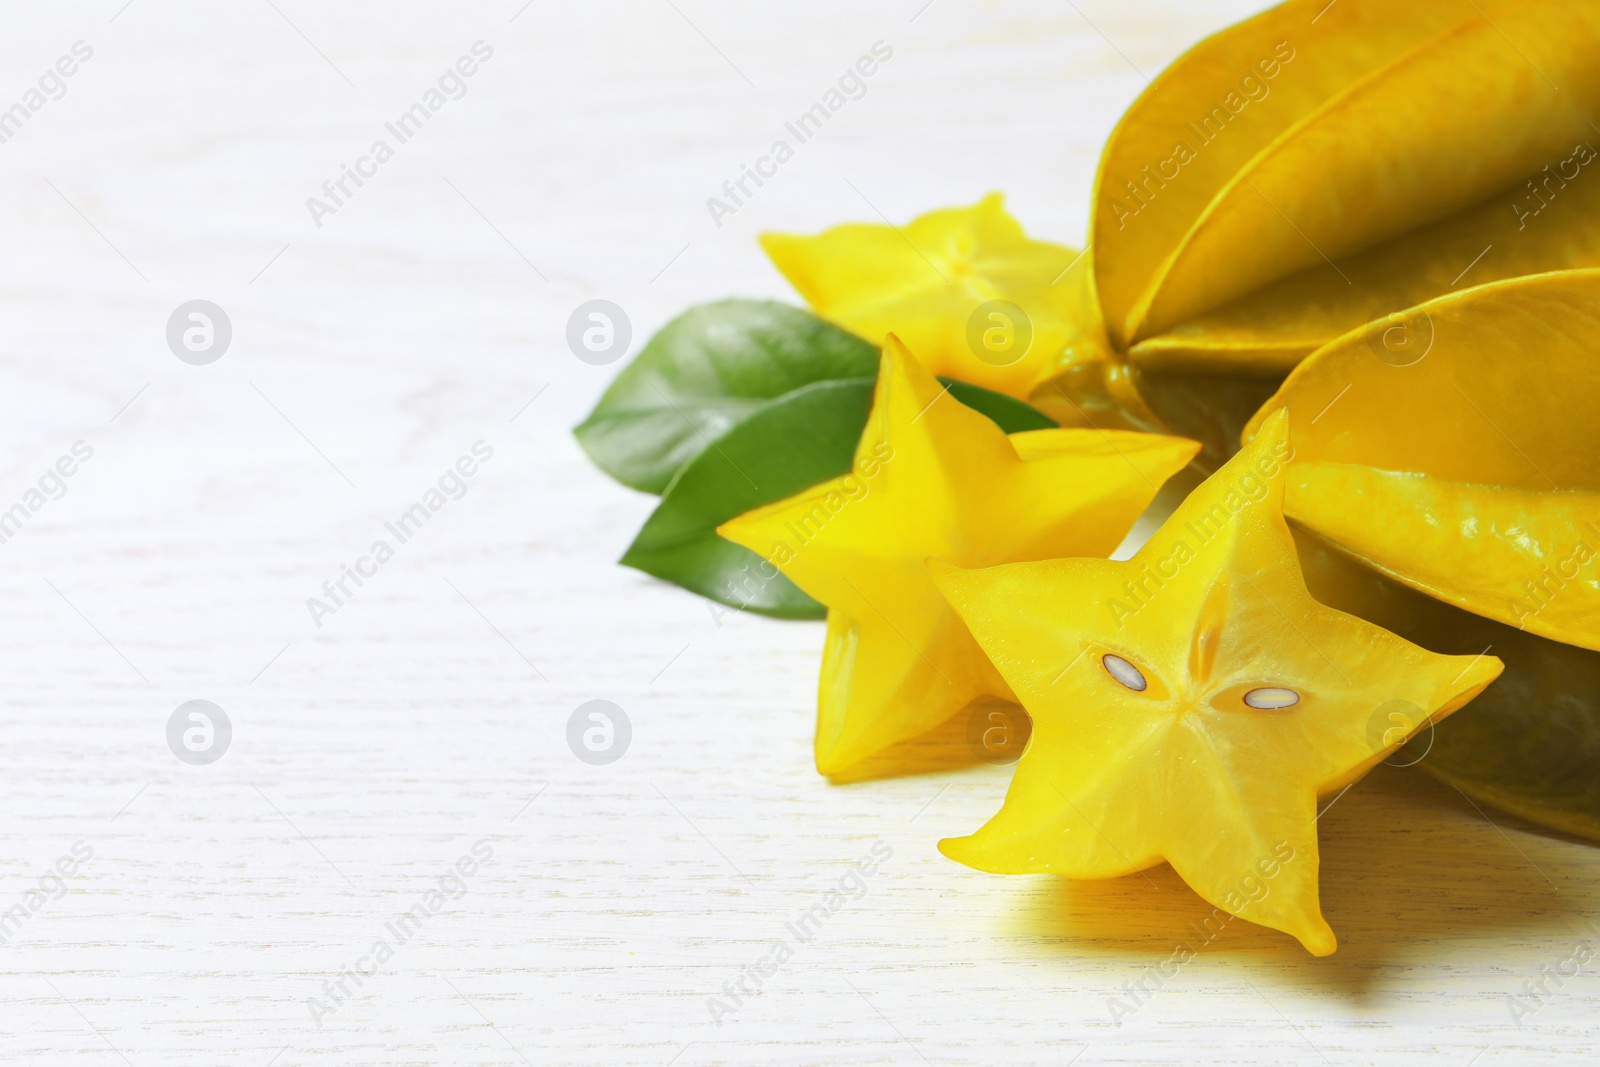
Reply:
x=1124, y=672
x=1272, y=698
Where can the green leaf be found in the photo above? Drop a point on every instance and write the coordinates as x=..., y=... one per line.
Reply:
x=704, y=372
x=792, y=443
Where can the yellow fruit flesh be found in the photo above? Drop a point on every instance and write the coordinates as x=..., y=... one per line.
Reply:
x=933, y=477
x=1184, y=769
x=926, y=281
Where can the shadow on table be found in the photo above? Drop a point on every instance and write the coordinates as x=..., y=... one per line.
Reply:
x=1412, y=875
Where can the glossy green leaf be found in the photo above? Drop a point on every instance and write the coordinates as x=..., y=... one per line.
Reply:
x=803, y=438
x=704, y=372
x=792, y=443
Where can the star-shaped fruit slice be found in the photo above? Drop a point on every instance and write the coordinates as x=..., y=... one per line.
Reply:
x=1192, y=703
x=933, y=477
x=964, y=288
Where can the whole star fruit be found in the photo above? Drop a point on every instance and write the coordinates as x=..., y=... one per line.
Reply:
x=965, y=288
x=1337, y=129
x=1305, y=172
x=1192, y=703
x=1462, y=470
x=933, y=477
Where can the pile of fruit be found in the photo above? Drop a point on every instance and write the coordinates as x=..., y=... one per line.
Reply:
x=1344, y=264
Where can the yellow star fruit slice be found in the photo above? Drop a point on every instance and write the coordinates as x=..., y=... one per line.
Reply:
x=933, y=477
x=1190, y=704
x=1207, y=115
x=949, y=284
x=1390, y=151
x=1453, y=449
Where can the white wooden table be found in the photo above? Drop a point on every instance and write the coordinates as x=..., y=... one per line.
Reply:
x=220, y=904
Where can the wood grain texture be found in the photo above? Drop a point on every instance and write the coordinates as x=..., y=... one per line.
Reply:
x=429, y=713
